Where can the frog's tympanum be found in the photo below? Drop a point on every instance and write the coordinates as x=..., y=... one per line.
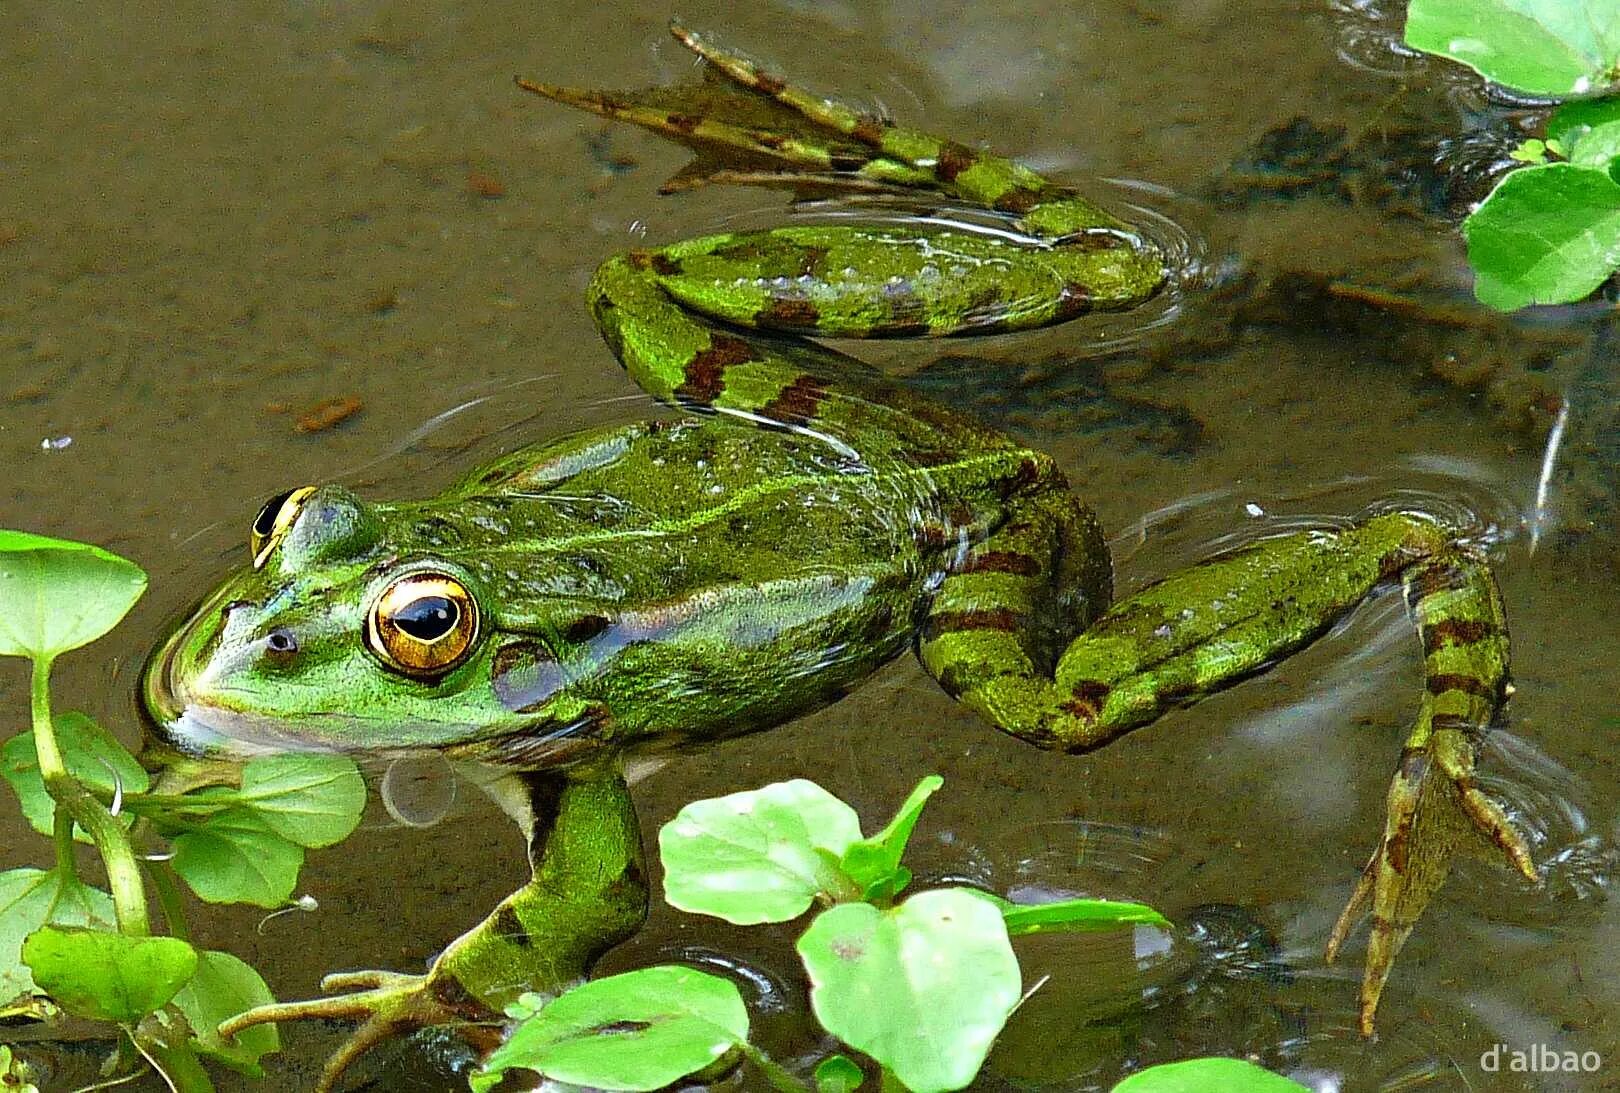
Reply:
x=674, y=582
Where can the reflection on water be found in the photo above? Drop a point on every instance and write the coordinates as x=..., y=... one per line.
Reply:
x=213, y=220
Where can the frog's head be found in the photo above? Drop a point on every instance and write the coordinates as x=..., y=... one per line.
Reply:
x=341, y=635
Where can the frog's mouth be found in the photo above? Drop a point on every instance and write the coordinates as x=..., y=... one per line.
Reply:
x=193, y=723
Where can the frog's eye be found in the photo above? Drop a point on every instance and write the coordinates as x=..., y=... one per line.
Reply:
x=423, y=624
x=270, y=526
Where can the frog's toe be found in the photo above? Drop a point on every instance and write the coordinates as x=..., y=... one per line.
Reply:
x=385, y=1004
x=1435, y=809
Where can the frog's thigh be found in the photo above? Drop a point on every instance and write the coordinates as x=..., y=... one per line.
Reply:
x=872, y=281
x=1012, y=603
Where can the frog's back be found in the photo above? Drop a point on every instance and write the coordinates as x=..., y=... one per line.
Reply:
x=754, y=573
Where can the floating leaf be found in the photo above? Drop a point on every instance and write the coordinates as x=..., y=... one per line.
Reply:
x=638, y=1031
x=838, y=1074
x=310, y=799
x=1545, y=235
x=57, y=595
x=1573, y=120
x=874, y=862
x=1558, y=48
x=234, y=857
x=1207, y=1076
x=222, y=987
x=758, y=856
x=923, y=988
x=90, y=753
x=107, y=976
x=30, y=898
x=1078, y=915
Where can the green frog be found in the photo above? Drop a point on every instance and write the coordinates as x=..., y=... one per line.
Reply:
x=663, y=584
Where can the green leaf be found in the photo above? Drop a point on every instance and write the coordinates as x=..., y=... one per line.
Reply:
x=1078, y=915
x=31, y=898
x=1545, y=235
x=1597, y=147
x=1207, y=1076
x=234, y=857
x=222, y=987
x=753, y=857
x=107, y=976
x=838, y=1074
x=1558, y=48
x=1573, y=120
x=57, y=595
x=874, y=862
x=1531, y=151
x=310, y=799
x=92, y=755
x=639, y=1031
x=923, y=988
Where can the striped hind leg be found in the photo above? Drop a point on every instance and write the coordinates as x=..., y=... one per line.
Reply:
x=1209, y=626
x=833, y=143
x=1435, y=806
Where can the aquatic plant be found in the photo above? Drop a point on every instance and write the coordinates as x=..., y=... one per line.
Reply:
x=921, y=985
x=235, y=834
x=1550, y=231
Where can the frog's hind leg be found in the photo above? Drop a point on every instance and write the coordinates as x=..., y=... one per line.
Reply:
x=1214, y=624
x=833, y=143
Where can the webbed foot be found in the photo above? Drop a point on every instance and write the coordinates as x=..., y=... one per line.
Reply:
x=385, y=1004
x=1435, y=809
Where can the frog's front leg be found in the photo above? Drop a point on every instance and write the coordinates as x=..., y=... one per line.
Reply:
x=588, y=892
x=1214, y=624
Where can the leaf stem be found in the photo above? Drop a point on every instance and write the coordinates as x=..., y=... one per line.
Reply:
x=779, y=1076
x=123, y=871
x=168, y=896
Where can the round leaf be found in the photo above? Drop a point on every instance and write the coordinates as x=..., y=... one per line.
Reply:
x=107, y=976
x=234, y=857
x=923, y=988
x=639, y=1031
x=57, y=595
x=1545, y=235
x=1207, y=1076
x=222, y=987
x=838, y=1074
x=307, y=798
x=30, y=898
x=759, y=856
x=92, y=755
x=1545, y=47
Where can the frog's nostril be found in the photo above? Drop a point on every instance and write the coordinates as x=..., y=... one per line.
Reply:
x=235, y=605
x=281, y=642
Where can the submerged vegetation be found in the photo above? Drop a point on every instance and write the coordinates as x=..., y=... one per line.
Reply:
x=1550, y=231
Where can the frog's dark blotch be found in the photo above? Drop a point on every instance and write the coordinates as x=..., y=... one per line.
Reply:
x=788, y=313
x=1441, y=682
x=952, y=160
x=1001, y=561
x=704, y=375
x=1004, y=619
x=797, y=402
x=1443, y=632
x=509, y=927
x=585, y=628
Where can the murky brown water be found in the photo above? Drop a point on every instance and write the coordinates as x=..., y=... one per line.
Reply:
x=212, y=220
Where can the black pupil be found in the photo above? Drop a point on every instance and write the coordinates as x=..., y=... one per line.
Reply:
x=428, y=618
x=265, y=522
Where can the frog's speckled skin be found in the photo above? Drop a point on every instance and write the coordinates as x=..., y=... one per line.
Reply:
x=676, y=582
